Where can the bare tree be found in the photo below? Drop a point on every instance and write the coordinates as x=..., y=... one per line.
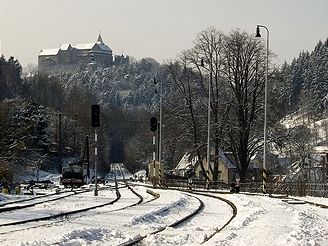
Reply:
x=209, y=46
x=243, y=70
x=30, y=70
x=186, y=107
x=234, y=69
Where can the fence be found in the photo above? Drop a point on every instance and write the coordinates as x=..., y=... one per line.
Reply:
x=196, y=184
x=285, y=188
x=291, y=188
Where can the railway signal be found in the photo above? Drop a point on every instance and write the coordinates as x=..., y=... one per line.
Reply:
x=153, y=124
x=95, y=115
x=95, y=122
x=153, y=127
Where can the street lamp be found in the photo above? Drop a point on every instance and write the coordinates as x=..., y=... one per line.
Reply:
x=160, y=118
x=265, y=104
x=208, y=121
x=160, y=121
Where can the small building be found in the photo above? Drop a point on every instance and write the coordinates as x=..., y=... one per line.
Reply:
x=227, y=169
x=186, y=165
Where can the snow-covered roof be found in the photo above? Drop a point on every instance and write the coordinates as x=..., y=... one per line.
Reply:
x=49, y=52
x=99, y=43
x=141, y=173
x=186, y=162
x=64, y=47
x=89, y=46
x=104, y=47
x=84, y=46
x=321, y=149
x=225, y=159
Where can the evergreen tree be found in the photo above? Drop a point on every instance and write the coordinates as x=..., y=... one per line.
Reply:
x=11, y=84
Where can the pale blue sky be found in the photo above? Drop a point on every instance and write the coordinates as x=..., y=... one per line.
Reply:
x=156, y=28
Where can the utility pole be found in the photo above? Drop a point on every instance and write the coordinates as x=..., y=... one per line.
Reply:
x=207, y=177
x=265, y=178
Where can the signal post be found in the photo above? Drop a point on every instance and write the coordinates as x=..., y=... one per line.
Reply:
x=155, y=169
x=95, y=122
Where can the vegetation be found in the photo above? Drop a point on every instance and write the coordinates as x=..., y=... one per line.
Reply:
x=42, y=112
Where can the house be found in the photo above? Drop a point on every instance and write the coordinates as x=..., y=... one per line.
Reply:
x=227, y=170
x=186, y=165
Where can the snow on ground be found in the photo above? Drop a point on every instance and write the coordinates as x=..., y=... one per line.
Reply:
x=197, y=229
x=40, y=175
x=260, y=220
x=119, y=171
x=320, y=200
x=140, y=175
x=263, y=220
x=105, y=226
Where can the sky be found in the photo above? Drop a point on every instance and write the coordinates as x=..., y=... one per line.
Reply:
x=160, y=29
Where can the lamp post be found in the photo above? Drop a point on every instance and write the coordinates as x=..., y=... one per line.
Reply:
x=208, y=122
x=160, y=123
x=265, y=105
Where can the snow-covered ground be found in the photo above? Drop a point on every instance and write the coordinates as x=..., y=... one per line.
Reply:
x=260, y=220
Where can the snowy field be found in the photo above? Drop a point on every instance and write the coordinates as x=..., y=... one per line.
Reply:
x=260, y=220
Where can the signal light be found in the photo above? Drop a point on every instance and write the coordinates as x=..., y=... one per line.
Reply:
x=95, y=115
x=153, y=124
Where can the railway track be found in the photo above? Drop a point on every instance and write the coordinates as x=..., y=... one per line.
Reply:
x=229, y=220
x=187, y=218
x=284, y=198
x=175, y=224
x=25, y=203
x=308, y=202
x=234, y=213
x=281, y=197
x=72, y=215
x=38, y=197
x=61, y=215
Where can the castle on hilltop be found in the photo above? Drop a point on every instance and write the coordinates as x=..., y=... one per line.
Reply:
x=80, y=56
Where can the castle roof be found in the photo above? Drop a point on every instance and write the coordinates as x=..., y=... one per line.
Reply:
x=84, y=46
x=104, y=47
x=49, y=52
x=89, y=46
x=64, y=46
x=99, y=40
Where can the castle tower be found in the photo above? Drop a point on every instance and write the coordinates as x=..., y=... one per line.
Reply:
x=99, y=40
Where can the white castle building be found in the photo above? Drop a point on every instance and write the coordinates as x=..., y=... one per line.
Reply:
x=80, y=56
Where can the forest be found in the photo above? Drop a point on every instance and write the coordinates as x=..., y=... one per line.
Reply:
x=45, y=119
